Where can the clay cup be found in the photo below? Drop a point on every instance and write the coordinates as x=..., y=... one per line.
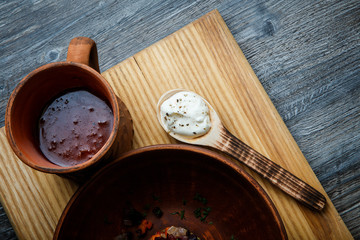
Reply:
x=38, y=88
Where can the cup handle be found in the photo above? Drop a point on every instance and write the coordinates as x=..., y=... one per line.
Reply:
x=83, y=50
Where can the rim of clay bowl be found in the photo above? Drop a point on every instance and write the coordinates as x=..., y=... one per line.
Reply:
x=181, y=147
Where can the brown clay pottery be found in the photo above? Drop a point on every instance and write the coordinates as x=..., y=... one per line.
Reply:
x=40, y=87
x=194, y=188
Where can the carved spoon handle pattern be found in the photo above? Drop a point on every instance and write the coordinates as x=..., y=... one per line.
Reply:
x=277, y=175
x=220, y=138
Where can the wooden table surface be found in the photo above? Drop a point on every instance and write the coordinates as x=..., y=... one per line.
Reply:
x=306, y=55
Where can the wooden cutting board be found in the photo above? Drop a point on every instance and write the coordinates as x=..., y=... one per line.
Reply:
x=202, y=57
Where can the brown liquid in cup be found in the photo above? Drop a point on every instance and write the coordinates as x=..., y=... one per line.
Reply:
x=74, y=127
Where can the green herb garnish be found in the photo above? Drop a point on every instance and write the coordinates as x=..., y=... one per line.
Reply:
x=197, y=212
x=202, y=213
x=157, y=212
x=200, y=198
x=155, y=197
x=181, y=214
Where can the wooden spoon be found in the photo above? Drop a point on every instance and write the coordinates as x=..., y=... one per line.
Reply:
x=220, y=138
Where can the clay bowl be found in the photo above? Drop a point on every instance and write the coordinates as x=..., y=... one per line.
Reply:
x=169, y=177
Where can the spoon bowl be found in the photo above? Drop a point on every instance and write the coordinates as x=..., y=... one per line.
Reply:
x=220, y=138
x=209, y=139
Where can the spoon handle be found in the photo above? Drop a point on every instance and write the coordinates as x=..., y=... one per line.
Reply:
x=277, y=175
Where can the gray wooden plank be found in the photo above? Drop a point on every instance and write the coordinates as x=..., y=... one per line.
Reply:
x=6, y=231
x=306, y=54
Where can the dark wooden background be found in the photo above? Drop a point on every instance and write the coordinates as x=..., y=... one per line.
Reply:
x=305, y=53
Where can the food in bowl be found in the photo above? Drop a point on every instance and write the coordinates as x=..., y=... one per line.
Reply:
x=74, y=127
x=171, y=233
x=162, y=177
x=185, y=113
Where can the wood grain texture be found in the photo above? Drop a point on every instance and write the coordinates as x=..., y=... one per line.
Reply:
x=305, y=54
x=271, y=171
x=231, y=88
x=140, y=81
x=37, y=199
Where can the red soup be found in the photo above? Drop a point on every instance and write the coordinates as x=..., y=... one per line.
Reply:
x=74, y=127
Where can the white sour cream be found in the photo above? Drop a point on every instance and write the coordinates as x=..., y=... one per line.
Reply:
x=185, y=113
